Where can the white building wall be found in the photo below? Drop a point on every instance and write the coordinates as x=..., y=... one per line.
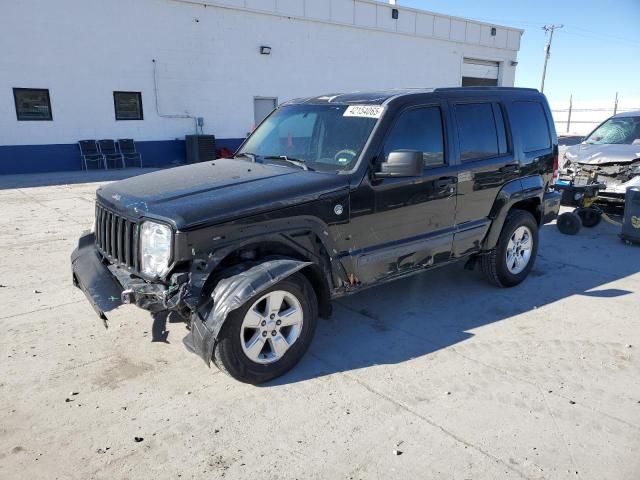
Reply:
x=209, y=65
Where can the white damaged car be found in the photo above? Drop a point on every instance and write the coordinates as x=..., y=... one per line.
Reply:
x=609, y=155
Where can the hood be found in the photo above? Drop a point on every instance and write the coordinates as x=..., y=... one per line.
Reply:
x=585, y=153
x=214, y=192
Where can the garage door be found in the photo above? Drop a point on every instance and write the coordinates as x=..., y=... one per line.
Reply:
x=479, y=73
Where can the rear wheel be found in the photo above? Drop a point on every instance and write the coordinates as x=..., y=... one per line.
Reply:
x=267, y=336
x=511, y=261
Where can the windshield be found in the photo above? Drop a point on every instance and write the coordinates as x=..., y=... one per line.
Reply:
x=323, y=137
x=619, y=131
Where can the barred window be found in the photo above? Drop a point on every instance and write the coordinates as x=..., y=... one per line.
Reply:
x=128, y=105
x=32, y=104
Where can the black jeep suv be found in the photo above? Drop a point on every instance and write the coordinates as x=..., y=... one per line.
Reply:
x=329, y=195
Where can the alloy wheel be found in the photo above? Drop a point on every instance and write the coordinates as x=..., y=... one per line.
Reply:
x=271, y=326
x=519, y=250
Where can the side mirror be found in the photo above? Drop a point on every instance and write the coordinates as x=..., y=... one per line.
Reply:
x=401, y=163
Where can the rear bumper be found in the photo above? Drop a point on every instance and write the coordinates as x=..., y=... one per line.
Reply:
x=550, y=206
x=93, y=277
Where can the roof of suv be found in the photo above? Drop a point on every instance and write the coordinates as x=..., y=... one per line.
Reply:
x=383, y=96
x=627, y=114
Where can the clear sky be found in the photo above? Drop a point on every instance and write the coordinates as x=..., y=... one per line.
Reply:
x=595, y=55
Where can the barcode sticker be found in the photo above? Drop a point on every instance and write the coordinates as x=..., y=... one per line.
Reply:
x=366, y=111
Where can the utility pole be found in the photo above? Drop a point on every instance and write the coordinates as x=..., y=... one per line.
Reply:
x=615, y=105
x=569, y=116
x=547, y=50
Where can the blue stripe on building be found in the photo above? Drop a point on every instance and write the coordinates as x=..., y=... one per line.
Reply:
x=16, y=159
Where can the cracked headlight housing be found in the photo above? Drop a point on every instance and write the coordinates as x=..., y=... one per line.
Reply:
x=155, y=248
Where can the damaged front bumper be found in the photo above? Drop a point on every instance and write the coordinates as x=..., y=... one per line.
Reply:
x=93, y=277
x=108, y=286
x=616, y=192
x=615, y=177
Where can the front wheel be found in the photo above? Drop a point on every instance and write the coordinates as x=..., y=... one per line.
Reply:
x=270, y=333
x=510, y=262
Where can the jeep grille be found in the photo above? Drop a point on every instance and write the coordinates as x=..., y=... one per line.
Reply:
x=116, y=237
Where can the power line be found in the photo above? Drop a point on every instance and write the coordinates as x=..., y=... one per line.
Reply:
x=594, y=34
x=601, y=36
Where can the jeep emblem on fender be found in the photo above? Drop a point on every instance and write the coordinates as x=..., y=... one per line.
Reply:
x=338, y=209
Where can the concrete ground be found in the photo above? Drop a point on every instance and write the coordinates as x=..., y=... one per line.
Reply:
x=437, y=376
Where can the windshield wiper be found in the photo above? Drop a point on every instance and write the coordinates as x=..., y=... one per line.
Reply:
x=250, y=156
x=293, y=161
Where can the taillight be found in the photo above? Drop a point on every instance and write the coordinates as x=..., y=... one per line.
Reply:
x=555, y=168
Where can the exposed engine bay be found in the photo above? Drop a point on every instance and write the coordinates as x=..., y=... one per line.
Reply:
x=616, y=176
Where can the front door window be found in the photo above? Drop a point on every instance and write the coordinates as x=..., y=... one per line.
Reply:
x=419, y=129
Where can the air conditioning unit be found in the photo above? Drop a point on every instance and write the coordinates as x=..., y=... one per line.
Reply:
x=200, y=148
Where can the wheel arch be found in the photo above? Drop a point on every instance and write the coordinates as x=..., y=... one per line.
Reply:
x=521, y=194
x=318, y=281
x=299, y=246
x=232, y=291
x=302, y=247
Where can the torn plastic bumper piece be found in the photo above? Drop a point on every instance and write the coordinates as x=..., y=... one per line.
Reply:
x=94, y=278
x=148, y=296
x=230, y=294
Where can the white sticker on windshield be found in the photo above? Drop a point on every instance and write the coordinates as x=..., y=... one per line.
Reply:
x=367, y=111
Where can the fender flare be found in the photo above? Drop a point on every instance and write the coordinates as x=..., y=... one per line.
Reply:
x=511, y=193
x=231, y=293
x=206, y=257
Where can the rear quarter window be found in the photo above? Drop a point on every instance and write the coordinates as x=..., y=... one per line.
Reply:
x=530, y=121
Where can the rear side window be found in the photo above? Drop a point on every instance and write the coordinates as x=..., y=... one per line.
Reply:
x=419, y=129
x=480, y=130
x=531, y=122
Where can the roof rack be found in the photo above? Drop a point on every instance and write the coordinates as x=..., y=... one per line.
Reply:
x=520, y=89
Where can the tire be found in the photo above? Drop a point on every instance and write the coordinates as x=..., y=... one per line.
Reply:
x=590, y=217
x=231, y=352
x=569, y=223
x=494, y=264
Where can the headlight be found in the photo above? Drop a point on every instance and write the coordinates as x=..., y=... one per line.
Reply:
x=155, y=248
